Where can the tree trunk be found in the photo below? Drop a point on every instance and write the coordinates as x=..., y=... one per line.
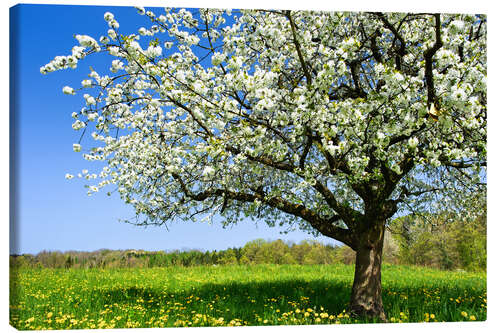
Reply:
x=366, y=295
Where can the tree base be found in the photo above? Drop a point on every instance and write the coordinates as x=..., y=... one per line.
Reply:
x=372, y=312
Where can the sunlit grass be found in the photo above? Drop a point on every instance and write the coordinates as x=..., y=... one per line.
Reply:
x=233, y=296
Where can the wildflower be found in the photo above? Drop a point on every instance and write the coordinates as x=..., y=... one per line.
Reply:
x=464, y=314
x=472, y=317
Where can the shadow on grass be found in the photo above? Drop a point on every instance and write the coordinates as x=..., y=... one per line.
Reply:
x=245, y=301
x=248, y=301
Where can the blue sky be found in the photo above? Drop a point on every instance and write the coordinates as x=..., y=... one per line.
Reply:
x=49, y=212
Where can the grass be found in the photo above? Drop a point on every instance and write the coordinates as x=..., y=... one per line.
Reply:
x=232, y=296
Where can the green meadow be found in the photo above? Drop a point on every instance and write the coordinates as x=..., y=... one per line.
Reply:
x=233, y=295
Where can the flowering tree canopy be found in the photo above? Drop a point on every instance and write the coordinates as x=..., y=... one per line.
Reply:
x=329, y=122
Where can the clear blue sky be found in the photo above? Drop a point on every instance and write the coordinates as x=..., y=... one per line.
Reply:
x=49, y=212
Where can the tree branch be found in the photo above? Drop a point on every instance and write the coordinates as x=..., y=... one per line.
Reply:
x=297, y=47
x=428, y=54
x=325, y=227
x=462, y=164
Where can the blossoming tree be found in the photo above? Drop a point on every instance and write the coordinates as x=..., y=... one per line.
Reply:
x=327, y=122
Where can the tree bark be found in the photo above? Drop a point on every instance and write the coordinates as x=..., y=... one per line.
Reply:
x=366, y=295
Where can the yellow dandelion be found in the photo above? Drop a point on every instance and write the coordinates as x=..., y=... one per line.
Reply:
x=472, y=317
x=49, y=315
x=433, y=316
x=464, y=314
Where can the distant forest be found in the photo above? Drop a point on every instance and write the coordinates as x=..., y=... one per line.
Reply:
x=436, y=242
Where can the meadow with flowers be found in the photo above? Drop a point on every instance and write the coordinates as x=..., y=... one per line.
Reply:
x=233, y=295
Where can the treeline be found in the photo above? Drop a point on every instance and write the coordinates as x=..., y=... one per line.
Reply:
x=255, y=252
x=441, y=243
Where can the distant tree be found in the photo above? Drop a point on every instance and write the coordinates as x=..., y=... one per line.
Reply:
x=446, y=240
x=250, y=252
x=228, y=258
x=300, y=250
x=318, y=254
x=329, y=122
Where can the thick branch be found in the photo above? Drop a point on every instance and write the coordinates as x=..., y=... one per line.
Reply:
x=428, y=54
x=402, y=137
x=401, y=51
x=346, y=213
x=297, y=47
x=305, y=152
x=462, y=164
x=325, y=227
x=263, y=159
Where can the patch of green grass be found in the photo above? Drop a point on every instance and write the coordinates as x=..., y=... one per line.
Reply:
x=233, y=296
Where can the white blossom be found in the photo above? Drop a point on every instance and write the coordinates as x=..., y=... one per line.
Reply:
x=108, y=16
x=413, y=142
x=86, y=83
x=68, y=90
